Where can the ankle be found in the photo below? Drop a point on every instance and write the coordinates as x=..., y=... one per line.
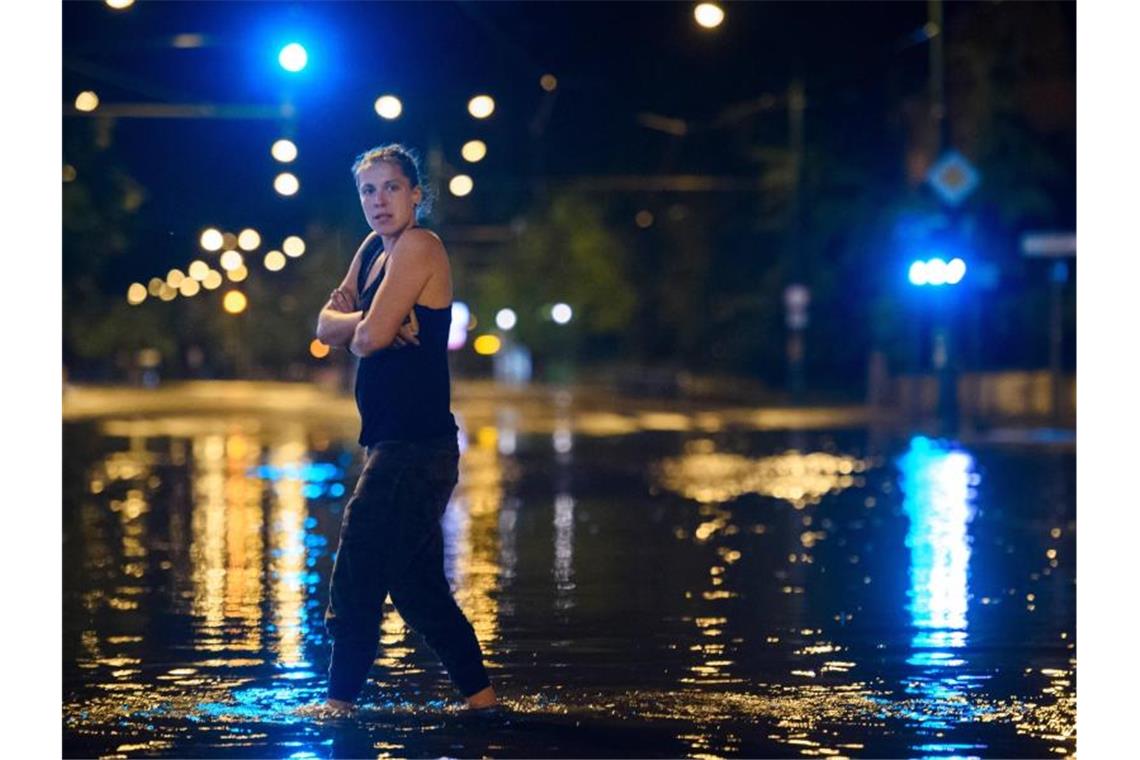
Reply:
x=481, y=700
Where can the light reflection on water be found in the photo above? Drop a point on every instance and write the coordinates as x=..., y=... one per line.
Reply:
x=720, y=607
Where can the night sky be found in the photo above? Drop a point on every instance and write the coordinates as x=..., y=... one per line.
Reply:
x=612, y=60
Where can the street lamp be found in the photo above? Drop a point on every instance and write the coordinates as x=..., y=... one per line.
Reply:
x=293, y=57
x=461, y=185
x=506, y=319
x=481, y=106
x=708, y=15
x=284, y=150
x=388, y=107
x=936, y=272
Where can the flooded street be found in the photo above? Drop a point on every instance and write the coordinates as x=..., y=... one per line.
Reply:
x=681, y=583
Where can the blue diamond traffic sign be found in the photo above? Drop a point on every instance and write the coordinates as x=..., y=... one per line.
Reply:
x=953, y=177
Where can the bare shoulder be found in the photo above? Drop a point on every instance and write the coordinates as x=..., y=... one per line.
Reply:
x=422, y=245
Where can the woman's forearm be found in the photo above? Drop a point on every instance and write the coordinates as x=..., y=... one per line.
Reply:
x=336, y=328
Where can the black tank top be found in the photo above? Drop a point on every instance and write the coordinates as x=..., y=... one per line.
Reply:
x=404, y=394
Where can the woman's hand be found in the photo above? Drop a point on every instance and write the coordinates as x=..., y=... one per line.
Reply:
x=408, y=332
x=340, y=300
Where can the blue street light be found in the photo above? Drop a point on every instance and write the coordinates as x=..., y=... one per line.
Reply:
x=293, y=57
x=937, y=272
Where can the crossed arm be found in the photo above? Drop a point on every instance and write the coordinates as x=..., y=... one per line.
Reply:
x=391, y=320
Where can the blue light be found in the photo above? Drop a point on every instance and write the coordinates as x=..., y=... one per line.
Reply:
x=936, y=272
x=293, y=57
x=918, y=273
x=955, y=271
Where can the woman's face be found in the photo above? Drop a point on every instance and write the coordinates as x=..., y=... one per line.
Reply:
x=387, y=198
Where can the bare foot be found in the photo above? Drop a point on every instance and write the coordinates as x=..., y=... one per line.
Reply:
x=482, y=700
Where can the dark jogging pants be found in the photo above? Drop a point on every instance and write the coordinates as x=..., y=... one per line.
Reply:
x=391, y=542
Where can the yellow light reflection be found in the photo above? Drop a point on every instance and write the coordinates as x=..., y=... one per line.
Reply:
x=707, y=476
x=287, y=537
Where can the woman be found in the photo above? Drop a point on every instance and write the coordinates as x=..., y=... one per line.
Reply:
x=393, y=310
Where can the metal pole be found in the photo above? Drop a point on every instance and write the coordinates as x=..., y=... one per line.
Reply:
x=795, y=346
x=1059, y=274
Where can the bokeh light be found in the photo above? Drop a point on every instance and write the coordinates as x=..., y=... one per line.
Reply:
x=167, y=293
x=487, y=345
x=506, y=319
x=388, y=107
x=212, y=280
x=457, y=333
x=175, y=277
x=284, y=151
x=234, y=302
x=249, y=239
x=293, y=246
x=318, y=349
x=286, y=184
x=274, y=261
x=119, y=5
x=293, y=57
x=561, y=313
x=474, y=150
x=549, y=82
x=198, y=269
x=86, y=101
x=481, y=106
x=189, y=287
x=154, y=287
x=461, y=185
x=955, y=271
x=136, y=293
x=237, y=274
x=211, y=239
x=231, y=260
x=708, y=15
x=69, y=173
x=644, y=219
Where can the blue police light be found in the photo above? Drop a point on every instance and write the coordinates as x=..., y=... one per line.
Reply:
x=293, y=57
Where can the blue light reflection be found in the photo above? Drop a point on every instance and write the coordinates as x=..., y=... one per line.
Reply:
x=937, y=482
